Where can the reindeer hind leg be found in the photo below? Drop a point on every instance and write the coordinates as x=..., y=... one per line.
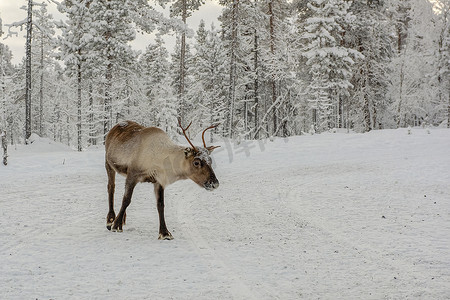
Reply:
x=111, y=186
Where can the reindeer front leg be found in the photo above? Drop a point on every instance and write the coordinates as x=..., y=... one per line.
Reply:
x=130, y=183
x=164, y=234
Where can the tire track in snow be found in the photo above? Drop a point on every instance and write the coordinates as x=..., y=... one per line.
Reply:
x=213, y=256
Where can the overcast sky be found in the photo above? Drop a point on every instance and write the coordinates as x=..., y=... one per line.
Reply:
x=10, y=12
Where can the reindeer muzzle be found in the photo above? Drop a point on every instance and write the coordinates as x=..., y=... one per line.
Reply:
x=211, y=185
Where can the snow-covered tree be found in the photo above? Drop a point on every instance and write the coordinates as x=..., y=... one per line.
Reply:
x=42, y=62
x=115, y=23
x=6, y=70
x=160, y=97
x=277, y=61
x=441, y=74
x=111, y=29
x=176, y=75
x=76, y=46
x=28, y=120
x=329, y=62
x=371, y=35
x=207, y=71
x=237, y=42
x=183, y=9
x=412, y=66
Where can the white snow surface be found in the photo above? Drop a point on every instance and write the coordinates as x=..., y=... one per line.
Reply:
x=329, y=216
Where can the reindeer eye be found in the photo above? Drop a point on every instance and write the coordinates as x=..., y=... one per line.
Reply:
x=197, y=163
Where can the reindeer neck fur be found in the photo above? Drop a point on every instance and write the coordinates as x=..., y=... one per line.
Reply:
x=165, y=160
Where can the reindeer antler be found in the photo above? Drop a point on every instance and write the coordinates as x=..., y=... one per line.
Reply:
x=184, y=132
x=210, y=148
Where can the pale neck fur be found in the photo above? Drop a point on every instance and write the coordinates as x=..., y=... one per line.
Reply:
x=172, y=166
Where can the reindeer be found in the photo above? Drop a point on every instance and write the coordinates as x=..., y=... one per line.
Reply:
x=147, y=154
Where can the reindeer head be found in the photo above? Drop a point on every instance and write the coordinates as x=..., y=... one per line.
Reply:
x=199, y=162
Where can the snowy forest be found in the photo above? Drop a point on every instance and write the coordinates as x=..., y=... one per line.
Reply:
x=267, y=68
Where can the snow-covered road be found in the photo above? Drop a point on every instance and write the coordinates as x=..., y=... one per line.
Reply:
x=331, y=216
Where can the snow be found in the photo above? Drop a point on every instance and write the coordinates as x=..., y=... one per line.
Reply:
x=328, y=216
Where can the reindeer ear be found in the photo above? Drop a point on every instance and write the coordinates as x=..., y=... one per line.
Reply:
x=188, y=152
x=211, y=148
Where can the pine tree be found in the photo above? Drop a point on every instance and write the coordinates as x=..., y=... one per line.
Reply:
x=371, y=35
x=328, y=61
x=253, y=72
x=43, y=46
x=237, y=41
x=442, y=68
x=410, y=90
x=112, y=29
x=76, y=47
x=176, y=75
x=161, y=99
x=206, y=70
x=183, y=9
x=156, y=68
x=278, y=63
x=114, y=26
x=230, y=22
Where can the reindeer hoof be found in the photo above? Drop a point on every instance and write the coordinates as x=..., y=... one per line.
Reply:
x=110, y=220
x=116, y=227
x=166, y=236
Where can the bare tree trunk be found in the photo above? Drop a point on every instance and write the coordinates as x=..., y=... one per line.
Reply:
x=245, y=117
x=5, y=147
x=28, y=73
x=67, y=125
x=108, y=116
x=108, y=101
x=256, y=82
x=3, y=99
x=232, y=88
x=399, y=109
x=272, y=52
x=448, y=107
x=92, y=140
x=41, y=91
x=181, y=87
x=79, y=145
x=366, y=106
